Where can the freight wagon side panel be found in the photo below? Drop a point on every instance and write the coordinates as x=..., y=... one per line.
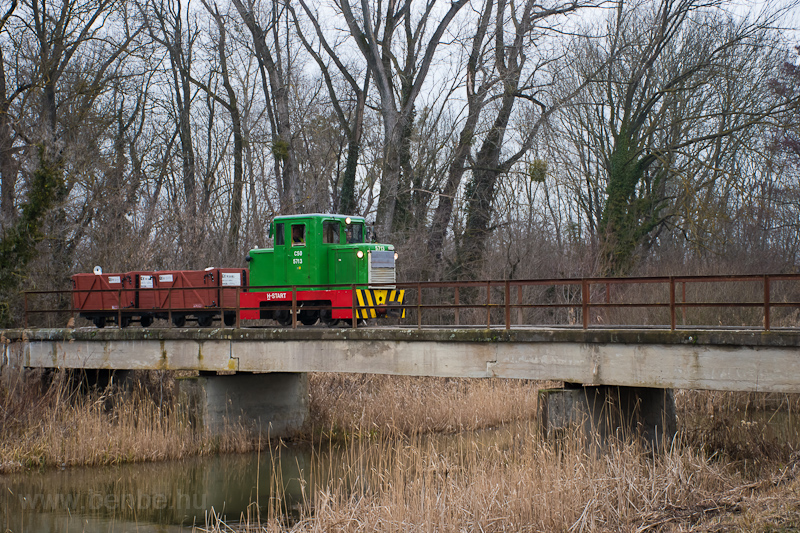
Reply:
x=185, y=289
x=229, y=280
x=95, y=292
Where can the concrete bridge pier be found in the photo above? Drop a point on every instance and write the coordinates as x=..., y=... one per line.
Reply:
x=606, y=411
x=276, y=404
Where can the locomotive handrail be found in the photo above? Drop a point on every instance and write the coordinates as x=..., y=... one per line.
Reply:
x=573, y=296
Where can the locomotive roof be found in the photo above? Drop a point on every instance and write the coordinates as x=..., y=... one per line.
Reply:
x=325, y=215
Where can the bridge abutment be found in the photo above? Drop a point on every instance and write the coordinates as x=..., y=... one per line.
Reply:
x=607, y=411
x=275, y=404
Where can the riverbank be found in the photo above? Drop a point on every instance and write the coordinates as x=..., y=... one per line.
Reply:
x=734, y=464
x=513, y=480
x=56, y=419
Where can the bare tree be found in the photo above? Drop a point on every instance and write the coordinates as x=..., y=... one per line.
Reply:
x=231, y=104
x=9, y=166
x=398, y=79
x=172, y=29
x=350, y=120
x=515, y=79
x=275, y=79
x=667, y=119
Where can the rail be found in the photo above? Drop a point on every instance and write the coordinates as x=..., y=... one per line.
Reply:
x=759, y=302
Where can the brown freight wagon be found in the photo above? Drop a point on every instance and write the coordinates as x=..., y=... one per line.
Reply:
x=200, y=295
x=98, y=297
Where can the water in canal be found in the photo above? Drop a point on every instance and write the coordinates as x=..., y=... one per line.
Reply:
x=163, y=497
x=174, y=496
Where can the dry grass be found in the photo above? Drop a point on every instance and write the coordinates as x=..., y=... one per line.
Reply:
x=352, y=404
x=47, y=420
x=732, y=468
x=520, y=482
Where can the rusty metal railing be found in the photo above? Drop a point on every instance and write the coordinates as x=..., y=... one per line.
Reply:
x=669, y=302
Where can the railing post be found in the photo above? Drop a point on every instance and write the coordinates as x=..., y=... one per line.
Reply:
x=488, y=305
x=169, y=306
x=119, y=308
x=72, y=306
x=585, y=302
x=26, y=310
x=294, y=307
x=683, y=307
x=672, y=303
x=520, y=318
x=419, y=305
x=353, y=308
x=238, y=307
x=508, y=305
x=457, y=303
x=766, y=303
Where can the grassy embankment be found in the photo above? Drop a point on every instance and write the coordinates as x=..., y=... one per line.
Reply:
x=732, y=467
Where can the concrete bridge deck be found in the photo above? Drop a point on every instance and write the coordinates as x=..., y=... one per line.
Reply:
x=717, y=359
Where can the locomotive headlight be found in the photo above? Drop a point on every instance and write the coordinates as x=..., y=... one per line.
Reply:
x=347, y=220
x=359, y=254
x=396, y=255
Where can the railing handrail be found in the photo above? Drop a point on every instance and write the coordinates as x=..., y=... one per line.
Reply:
x=580, y=300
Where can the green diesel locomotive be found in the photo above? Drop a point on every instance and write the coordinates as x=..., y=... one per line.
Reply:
x=328, y=262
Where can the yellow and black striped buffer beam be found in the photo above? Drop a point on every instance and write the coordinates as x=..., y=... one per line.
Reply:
x=370, y=300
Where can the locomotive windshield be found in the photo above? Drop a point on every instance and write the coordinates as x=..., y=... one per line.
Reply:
x=279, y=234
x=330, y=232
x=355, y=234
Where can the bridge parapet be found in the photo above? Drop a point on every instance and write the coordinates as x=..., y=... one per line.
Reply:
x=719, y=359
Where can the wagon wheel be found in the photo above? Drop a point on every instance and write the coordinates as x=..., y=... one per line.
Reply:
x=205, y=320
x=99, y=322
x=308, y=318
x=146, y=321
x=229, y=318
x=283, y=318
x=125, y=321
x=179, y=320
x=326, y=316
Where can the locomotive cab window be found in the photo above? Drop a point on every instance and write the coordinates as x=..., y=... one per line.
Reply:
x=330, y=232
x=298, y=234
x=355, y=234
x=279, y=238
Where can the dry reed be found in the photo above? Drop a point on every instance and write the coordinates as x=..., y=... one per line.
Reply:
x=520, y=482
x=48, y=420
x=732, y=467
x=352, y=404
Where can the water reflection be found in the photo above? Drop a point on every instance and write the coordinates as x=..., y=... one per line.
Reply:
x=174, y=496
x=162, y=497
